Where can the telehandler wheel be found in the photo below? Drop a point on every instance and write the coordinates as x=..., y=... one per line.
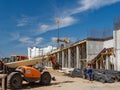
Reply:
x=14, y=81
x=45, y=78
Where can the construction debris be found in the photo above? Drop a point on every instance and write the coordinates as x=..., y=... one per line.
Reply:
x=104, y=76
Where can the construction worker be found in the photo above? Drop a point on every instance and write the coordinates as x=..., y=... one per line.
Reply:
x=89, y=72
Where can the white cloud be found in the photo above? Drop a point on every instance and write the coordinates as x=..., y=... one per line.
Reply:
x=25, y=20
x=64, y=22
x=38, y=40
x=67, y=19
x=92, y=4
x=30, y=41
x=26, y=40
x=22, y=22
x=44, y=28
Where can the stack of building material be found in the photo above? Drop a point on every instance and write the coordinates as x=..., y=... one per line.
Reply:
x=104, y=76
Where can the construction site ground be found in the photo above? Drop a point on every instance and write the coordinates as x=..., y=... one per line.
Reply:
x=64, y=82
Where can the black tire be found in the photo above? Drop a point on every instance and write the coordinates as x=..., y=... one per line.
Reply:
x=45, y=78
x=14, y=81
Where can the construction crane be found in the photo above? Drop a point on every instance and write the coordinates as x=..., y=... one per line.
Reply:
x=63, y=40
x=66, y=41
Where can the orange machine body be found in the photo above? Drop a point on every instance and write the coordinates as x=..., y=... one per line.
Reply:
x=29, y=72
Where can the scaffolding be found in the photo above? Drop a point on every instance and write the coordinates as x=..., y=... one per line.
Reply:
x=102, y=61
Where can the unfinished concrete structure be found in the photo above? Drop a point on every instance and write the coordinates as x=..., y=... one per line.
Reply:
x=101, y=53
x=81, y=53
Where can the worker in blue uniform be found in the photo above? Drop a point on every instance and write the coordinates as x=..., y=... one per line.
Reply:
x=89, y=72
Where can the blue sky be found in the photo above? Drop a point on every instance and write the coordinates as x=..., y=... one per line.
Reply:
x=27, y=23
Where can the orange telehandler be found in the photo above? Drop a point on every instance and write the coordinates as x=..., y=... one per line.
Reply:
x=29, y=73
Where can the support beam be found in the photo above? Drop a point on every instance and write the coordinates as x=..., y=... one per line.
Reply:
x=58, y=57
x=69, y=58
x=107, y=62
x=96, y=65
x=77, y=56
x=116, y=37
x=63, y=61
x=66, y=58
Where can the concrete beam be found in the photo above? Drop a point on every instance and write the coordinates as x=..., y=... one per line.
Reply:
x=69, y=58
x=63, y=61
x=58, y=57
x=77, y=56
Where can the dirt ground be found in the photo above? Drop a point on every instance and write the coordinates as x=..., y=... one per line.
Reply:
x=64, y=82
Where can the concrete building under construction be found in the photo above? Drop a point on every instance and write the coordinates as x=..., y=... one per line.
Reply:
x=101, y=53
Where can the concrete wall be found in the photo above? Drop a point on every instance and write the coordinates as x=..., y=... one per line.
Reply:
x=108, y=43
x=93, y=49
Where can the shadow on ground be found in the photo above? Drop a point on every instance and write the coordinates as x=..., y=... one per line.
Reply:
x=35, y=85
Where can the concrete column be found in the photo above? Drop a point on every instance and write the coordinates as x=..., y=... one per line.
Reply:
x=107, y=63
x=116, y=37
x=69, y=58
x=113, y=59
x=118, y=59
x=58, y=57
x=96, y=65
x=101, y=64
x=66, y=58
x=77, y=56
x=111, y=62
x=63, y=61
